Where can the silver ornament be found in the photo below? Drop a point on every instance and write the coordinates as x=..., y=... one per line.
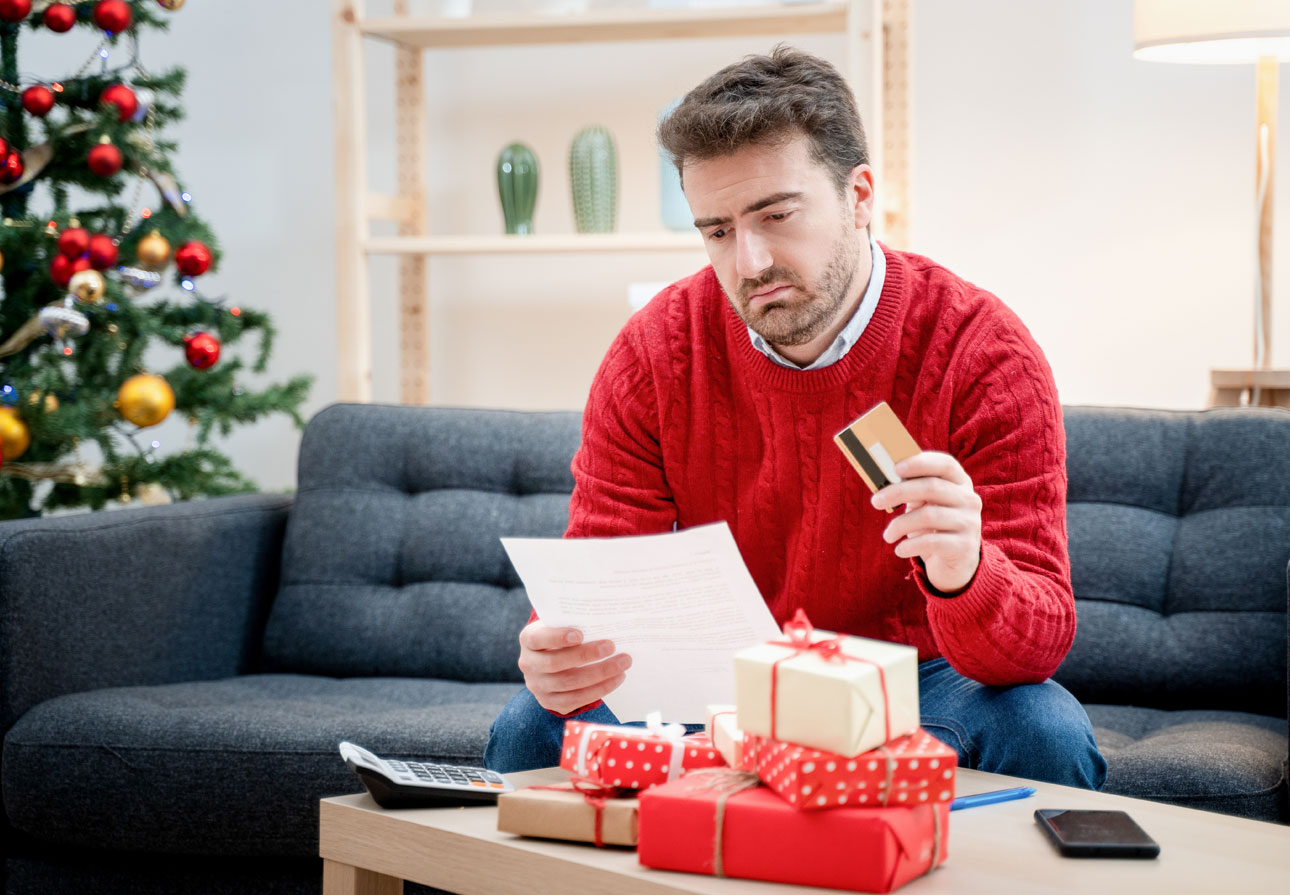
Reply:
x=61, y=320
x=146, y=97
x=139, y=278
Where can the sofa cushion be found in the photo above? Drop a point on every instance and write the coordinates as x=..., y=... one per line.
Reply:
x=224, y=767
x=1179, y=527
x=392, y=563
x=1231, y=762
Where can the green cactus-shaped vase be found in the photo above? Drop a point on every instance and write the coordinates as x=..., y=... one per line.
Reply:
x=517, y=184
x=593, y=174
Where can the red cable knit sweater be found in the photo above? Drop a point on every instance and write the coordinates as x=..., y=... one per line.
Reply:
x=687, y=423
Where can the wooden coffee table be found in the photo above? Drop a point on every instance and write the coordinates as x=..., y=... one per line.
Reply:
x=992, y=849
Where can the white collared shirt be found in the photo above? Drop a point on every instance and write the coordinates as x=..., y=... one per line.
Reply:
x=851, y=332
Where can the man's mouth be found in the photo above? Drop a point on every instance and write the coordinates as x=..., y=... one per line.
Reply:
x=768, y=295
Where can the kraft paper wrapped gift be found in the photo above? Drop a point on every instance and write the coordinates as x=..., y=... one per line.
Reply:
x=634, y=757
x=833, y=692
x=726, y=738
x=706, y=823
x=600, y=816
x=910, y=770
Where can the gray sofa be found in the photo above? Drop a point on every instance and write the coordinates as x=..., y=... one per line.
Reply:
x=174, y=680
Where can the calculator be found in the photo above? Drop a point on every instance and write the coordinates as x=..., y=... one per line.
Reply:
x=422, y=784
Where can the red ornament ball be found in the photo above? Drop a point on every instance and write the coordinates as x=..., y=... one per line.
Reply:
x=103, y=252
x=61, y=268
x=14, y=10
x=201, y=349
x=11, y=167
x=38, y=100
x=123, y=98
x=59, y=17
x=112, y=15
x=105, y=160
x=74, y=242
x=193, y=258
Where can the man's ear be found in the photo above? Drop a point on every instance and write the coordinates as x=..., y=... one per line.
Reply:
x=860, y=195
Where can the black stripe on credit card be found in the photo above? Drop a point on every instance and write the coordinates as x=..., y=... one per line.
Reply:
x=864, y=458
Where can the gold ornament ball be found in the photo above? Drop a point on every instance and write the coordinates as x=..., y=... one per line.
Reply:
x=14, y=434
x=88, y=286
x=1, y=260
x=145, y=400
x=50, y=401
x=172, y=5
x=154, y=250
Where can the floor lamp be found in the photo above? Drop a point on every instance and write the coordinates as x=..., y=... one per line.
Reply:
x=1227, y=32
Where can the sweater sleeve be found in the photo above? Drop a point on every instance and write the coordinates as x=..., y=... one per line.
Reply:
x=619, y=485
x=1015, y=621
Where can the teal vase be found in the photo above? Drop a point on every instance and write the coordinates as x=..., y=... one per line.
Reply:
x=593, y=175
x=517, y=184
x=673, y=207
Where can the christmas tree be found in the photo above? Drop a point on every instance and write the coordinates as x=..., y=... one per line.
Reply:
x=101, y=255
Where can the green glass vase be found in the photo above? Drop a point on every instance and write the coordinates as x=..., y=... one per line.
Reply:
x=517, y=185
x=593, y=176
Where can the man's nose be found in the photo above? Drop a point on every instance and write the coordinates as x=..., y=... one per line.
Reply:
x=752, y=254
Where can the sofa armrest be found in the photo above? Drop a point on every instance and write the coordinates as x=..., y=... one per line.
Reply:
x=142, y=596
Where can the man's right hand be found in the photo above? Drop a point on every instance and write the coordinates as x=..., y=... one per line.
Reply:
x=563, y=673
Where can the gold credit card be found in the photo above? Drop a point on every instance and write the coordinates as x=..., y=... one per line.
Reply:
x=874, y=444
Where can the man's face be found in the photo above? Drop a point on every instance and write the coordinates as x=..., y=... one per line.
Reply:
x=788, y=249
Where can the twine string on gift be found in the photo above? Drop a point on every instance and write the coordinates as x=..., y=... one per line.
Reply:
x=726, y=783
x=595, y=795
x=798, y=631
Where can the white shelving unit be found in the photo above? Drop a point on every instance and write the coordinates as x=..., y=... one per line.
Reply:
x=357, y=207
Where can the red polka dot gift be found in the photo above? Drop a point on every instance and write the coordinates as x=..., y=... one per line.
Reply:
x=911, y=770
x=634, y=757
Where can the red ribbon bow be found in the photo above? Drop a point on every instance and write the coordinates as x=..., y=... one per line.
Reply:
x=798, y=630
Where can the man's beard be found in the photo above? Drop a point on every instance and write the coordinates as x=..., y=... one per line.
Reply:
x=803, y=316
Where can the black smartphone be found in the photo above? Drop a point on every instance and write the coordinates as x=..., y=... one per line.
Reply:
x=1096, y=834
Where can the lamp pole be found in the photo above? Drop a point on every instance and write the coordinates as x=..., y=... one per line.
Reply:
x=1264, y=185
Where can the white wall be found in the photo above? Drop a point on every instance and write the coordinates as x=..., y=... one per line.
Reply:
x=1108, y=201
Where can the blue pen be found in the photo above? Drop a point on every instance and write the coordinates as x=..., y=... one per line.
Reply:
x=989, y=798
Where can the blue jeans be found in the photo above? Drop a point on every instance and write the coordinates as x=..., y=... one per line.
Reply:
x=1035, y=731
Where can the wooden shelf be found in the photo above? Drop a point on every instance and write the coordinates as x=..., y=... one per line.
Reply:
x=607, y=25
x=536, y=244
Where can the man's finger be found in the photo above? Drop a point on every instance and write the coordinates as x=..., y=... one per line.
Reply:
x=539, y=636
x=554, y=661
x=576, y=679
x=933, y=463
x=564, y=703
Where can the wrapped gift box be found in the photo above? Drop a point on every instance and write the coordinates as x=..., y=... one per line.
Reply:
x=704, y=824
x=841, y=694
x=568, y=813
x=726, y=738
x=633, y=757
x=910, y=770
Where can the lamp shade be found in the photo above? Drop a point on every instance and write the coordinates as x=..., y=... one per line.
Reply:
x=1213, y=31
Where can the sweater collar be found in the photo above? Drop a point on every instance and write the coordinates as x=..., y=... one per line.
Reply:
x=876, y=334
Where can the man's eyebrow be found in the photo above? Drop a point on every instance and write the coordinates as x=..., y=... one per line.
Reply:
x=775, y=199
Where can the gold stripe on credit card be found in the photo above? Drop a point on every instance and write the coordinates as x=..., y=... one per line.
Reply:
x=874, y=444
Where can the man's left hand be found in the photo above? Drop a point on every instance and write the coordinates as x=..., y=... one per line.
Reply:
x=942, y=519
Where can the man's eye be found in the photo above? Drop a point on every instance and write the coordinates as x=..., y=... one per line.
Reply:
x=716, y=234
x=779, y=215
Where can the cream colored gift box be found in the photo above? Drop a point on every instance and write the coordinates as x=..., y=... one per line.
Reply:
x=726, y=737
x=828, y=690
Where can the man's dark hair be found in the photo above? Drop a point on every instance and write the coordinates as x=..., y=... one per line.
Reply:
x=764, y=100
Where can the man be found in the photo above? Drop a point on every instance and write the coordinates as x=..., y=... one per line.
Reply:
x=719, y=400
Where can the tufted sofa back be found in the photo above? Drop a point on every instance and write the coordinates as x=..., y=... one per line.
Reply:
x=1179, y=526
x=392, y=564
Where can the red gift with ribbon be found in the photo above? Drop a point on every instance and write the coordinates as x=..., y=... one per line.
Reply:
x=827, y=691
x=721, y=822
x=910, y=770
x=634, y=757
